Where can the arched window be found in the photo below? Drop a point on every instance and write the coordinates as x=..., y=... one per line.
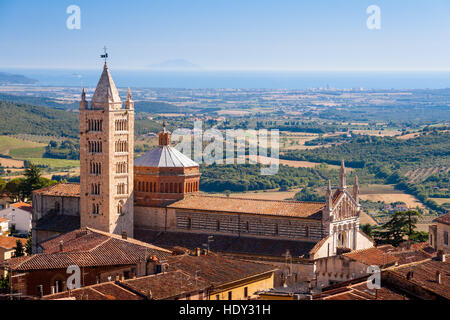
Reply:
x=247, y=226
x=218, y=225
x=120, y=207
x=189, y=223
x=57, y=207
x=276, y=229
x=307, y=232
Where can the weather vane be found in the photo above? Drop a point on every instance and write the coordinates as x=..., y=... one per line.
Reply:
x=104, y=56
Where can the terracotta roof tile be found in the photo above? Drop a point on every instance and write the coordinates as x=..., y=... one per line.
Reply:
x=217, y=270
x=10, y=242
x=23, y=206
x=372, y=256
x=226, y=244
x=61, y=190
x=424, y=275
x=166, y=285
x=102, y=291
x=88, y=247
x=443, y=219
x=311, y=210
x=58, y=223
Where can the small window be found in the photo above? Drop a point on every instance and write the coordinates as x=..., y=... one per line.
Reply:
x=230, y=295
x=446, y=238
x=246, y=292
x=217, y=297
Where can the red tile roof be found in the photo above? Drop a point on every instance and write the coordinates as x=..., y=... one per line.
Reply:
x=61, y=190
x=217, y=270
x=166, y=285
x=88, y=247
x=102, y=291
x=372, y=256
x=3, y=219
x=443, y=219
x=251, y=206
x=424, y=275
x=10, y=242
x=23, y=206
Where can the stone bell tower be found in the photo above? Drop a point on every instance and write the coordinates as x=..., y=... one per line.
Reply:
x=106, y=159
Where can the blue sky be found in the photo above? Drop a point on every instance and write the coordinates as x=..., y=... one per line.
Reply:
x=228, y=35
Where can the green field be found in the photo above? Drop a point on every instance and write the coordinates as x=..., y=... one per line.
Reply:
x=55, y=164
x=24, y=153
x=9, y=144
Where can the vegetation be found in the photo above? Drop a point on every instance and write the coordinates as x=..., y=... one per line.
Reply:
x=22, y=118
x=400, y=225
x=308, y=194
x=67, y=149
x=19, y=250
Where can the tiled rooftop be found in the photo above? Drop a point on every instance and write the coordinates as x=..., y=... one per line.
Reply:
x=166, y=285
x=443, y=219
x=424, y=275
x=372, y=256
x=61, y=190
x=10, y=242
x=297, y=209
x=23, y=206
x=226, y=244
x=88, y=247
x=102, y=291
x=217, y=270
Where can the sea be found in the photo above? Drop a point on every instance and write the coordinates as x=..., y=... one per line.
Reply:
x=242, y=79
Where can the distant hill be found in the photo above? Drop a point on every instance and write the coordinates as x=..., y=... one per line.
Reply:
x=22, y=118
x=9, y=78
x=38, y=101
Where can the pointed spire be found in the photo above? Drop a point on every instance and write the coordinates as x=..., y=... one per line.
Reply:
x=83, y=95
x=356, y=189
x=129, y=96
x=329, y=196
x=106, y=91
x=342, y=182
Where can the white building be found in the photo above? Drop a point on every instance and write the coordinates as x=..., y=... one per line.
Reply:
x=439, y=231
x=19, y=216
x=4, y=225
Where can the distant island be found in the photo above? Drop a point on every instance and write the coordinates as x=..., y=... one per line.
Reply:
x=175, y=65
x=9, y=78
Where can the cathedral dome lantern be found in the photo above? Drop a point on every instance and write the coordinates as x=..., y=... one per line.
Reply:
x=164, y=175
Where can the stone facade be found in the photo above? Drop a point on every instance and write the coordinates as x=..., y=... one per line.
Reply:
x=106, y=159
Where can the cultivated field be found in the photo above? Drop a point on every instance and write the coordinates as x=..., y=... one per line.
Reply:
x=289, y=163
x=8, y=144
x=387, y=194
x=420, y=174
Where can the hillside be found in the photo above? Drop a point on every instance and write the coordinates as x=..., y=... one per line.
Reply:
x=22, y=118
x=8, y=78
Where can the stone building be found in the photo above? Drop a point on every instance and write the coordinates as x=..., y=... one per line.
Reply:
x=159, y=201
x=106, y=154
x=439, y=231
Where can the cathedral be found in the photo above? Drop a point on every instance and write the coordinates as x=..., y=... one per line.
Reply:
x=155, y=198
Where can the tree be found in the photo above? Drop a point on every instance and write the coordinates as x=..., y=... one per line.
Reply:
x=19, y=250
x=400, y=225
x=13, y=189
x=33, y=181
x=367, y=229
x=29, y=246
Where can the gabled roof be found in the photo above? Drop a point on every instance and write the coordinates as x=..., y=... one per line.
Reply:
x=10, y=242
x=60, y=190
x=445, y=219
x=164, y=156
x=311, y=210
x=23, y=206
x=106, y=91
x=88, y=248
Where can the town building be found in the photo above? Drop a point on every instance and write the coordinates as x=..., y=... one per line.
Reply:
x=8, y=247
x=4, y=226
x=160, y=196
x=438, y=233
x=19, y=215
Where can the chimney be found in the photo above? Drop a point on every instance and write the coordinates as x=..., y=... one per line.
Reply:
x=441, y=255
x=124, y=235
x=409, y=275
x=117, y=278
x=40, y=290
x=198, y=252
x=438, y=277
x=61, y=246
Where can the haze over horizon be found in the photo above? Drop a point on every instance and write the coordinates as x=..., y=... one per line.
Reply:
x=228, y=35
